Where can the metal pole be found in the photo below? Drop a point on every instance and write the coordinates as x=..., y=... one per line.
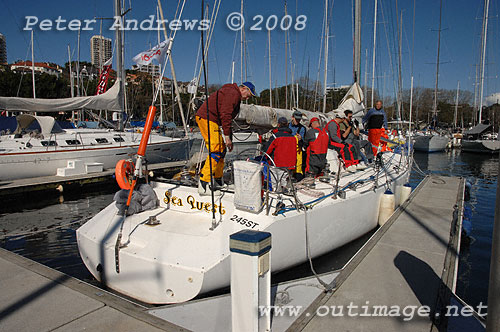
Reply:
x=119, y=62
x=374, y=47
x=485, y=35
x=434, y=108
x=408, y=143
x=33, y=65
x=71, y=83
x=456, y=107
x=325, y=74
x=270, y=85
x=357, y=41
x=493, y=321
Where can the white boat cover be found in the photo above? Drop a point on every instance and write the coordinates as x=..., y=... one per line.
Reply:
x=48, y=124
x=106, y=101
x=267, y=117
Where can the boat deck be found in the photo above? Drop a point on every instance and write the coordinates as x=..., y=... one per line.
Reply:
x=410, y=262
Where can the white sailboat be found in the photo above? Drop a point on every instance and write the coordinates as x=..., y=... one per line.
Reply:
x=42, y=151
x=180, y=248
x=181, y=257
x=481, y=138
x=433, y=141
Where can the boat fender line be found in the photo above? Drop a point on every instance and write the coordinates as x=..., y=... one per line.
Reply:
x=386, y=208
x=327, y=287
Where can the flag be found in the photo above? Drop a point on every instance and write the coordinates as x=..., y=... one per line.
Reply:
x=192, y=86
x=158, y=52
x=103, y=79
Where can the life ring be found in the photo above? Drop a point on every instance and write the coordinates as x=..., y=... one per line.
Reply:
x=123, y=172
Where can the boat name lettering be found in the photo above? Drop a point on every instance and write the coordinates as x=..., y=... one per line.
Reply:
x=204, y=206
x=193, y=203
x=244, y=222
x=172, y=199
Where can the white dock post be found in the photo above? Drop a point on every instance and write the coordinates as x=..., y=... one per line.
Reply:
x=250, y=280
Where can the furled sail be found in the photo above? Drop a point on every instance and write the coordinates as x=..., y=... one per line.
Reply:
x=106, y=101
x=267, y=117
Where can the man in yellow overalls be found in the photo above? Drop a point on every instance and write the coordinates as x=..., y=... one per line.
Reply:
x=223, y=107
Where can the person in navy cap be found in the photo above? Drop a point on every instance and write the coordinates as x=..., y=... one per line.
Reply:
x=282, y=146
x=223, y=107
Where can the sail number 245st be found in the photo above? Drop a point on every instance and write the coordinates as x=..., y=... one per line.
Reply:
x=244, y=222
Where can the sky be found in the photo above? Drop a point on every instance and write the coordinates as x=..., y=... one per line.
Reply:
x=459, y=52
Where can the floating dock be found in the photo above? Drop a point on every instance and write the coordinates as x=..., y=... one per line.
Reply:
x=45, y=183
x=409, y=264
x=37, y=298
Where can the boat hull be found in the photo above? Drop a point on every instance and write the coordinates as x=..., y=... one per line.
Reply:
x=481, y=146
x=45, y=163
x=181, y=258
x=432, y=143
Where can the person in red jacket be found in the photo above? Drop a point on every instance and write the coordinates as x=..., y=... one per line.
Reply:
x=344, y=149
x=282, y=146
x=316, y=142
x=223, y=107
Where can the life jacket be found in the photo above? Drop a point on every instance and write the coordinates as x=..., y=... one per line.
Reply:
x=320, y=144
x=338, y=134
x=376, y=121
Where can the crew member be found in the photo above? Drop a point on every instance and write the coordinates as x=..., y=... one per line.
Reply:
x=282, y=146
x=344, y=149
x=223, y=107
x=352, y=128
x=316, y=142
x=375, y=121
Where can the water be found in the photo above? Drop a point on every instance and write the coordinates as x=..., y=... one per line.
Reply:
x=43, y=228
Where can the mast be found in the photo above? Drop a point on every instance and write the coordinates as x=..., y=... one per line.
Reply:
x=400, y=81
x=434, y=107
x=357, y=41
x=119, y=61
x=483, y=57
x=374, y=47
x=365, y=92
x=71, y=83
x=286, y=66
x=270, y=84
x=33, y=65
x=456, y=107
x=326, y=57
x=160, y=81
x=78, y=67
x=232, y=73
x=241, y=48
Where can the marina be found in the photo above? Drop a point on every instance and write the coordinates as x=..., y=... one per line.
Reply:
x=436, y=233
x=300, y=171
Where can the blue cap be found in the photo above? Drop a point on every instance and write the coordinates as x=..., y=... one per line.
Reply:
x=251, y=87
x=282, y=121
